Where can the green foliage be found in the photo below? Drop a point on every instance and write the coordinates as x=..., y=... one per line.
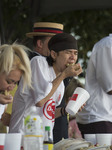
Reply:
x=88, y=26
x=15, y=19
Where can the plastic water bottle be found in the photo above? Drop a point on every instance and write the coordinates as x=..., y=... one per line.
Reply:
x=33, y=131
x=48, y=143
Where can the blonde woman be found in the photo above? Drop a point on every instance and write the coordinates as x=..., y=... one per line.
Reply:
x=14, y=64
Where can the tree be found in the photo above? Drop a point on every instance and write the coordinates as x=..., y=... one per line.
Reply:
x=88, y=26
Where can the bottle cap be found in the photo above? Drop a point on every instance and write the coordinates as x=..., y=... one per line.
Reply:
x=47, y=128
x=33, y=109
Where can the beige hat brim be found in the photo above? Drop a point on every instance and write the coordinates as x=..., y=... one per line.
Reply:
x=31, y=34
x=45, y=29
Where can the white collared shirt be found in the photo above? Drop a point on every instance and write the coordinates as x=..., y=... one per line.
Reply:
x=98, y=83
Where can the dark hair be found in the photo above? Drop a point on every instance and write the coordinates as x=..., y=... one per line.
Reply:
x=50, y=60
x=35, y=38
x=61, y=42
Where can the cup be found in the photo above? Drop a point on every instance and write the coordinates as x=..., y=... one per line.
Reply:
x=2, y=140
x=90, y=138
x=79, y=97
x=104, y=139
x=13, y=141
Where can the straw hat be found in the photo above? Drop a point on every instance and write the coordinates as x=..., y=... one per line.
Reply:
x=45, y=29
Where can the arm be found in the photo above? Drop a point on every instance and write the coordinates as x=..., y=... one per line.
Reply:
x=56, y=82
x=73, y=130
x=69, y=71
x=60, y=111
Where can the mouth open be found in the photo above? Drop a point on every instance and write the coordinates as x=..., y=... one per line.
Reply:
x=70, y=64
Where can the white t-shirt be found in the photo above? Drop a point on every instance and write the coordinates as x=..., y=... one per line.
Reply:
x=98, y=83
x=42, y=77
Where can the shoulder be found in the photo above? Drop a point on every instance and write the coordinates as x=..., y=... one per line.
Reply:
x=32, y=54
x=39, y=59
x=40, y=62
x=105, y=42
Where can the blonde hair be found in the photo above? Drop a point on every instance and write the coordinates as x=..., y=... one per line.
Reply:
x=14, y=57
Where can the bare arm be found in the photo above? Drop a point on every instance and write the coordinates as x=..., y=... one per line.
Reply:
x=56, y=82
x=69, y=71
x=58, y=112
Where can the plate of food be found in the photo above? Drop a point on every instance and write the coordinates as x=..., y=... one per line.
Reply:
x=71, y=144
x=84, y=144
x=97, y=148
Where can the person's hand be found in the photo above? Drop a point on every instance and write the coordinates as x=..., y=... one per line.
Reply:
x=6, y=118
x=73, y=70
x=5, y=99
x=82, y=107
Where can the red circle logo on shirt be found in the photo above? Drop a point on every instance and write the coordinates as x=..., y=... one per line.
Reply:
x=49, y=109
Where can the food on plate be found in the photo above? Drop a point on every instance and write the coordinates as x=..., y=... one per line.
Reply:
x=78, y=144
x=97, y=147
x=71, y=144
